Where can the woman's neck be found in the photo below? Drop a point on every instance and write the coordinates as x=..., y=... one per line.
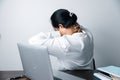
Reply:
x=73, y=29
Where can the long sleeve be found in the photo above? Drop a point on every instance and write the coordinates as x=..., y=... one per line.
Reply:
x=55, y=43
x=42, y=37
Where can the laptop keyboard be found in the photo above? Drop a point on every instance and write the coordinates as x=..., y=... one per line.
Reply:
x=55, y=78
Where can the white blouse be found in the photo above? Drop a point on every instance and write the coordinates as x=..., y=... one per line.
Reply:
x=70, y=51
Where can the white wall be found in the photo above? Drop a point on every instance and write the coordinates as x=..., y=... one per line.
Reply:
x=21, y=19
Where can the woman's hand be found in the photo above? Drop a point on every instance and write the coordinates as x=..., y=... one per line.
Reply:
x=76, y=28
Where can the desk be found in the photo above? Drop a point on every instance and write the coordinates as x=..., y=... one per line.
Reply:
x=5, y=75
x=85, y=74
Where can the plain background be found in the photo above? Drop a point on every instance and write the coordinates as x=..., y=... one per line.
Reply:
x=21, y=19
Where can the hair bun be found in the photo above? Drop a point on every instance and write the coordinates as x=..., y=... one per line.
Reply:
x=70, y=14
x=73, y=17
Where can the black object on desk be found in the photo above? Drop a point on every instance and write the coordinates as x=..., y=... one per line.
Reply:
x=85, y=74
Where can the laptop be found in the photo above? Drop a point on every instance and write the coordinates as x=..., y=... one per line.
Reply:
x=36, y=62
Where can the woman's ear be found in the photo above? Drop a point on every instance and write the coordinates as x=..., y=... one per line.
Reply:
x=62, y=30
x=60, y=26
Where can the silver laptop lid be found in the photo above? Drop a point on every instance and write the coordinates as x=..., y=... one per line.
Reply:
x=35, y=61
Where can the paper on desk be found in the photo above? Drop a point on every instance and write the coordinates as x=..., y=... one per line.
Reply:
x=113, y=70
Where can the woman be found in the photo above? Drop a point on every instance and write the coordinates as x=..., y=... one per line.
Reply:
x=70, y=43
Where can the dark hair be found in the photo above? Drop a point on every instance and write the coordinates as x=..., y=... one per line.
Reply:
x=64, y=17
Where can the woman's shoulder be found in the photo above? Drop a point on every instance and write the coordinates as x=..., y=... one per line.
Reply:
x=87, y=31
